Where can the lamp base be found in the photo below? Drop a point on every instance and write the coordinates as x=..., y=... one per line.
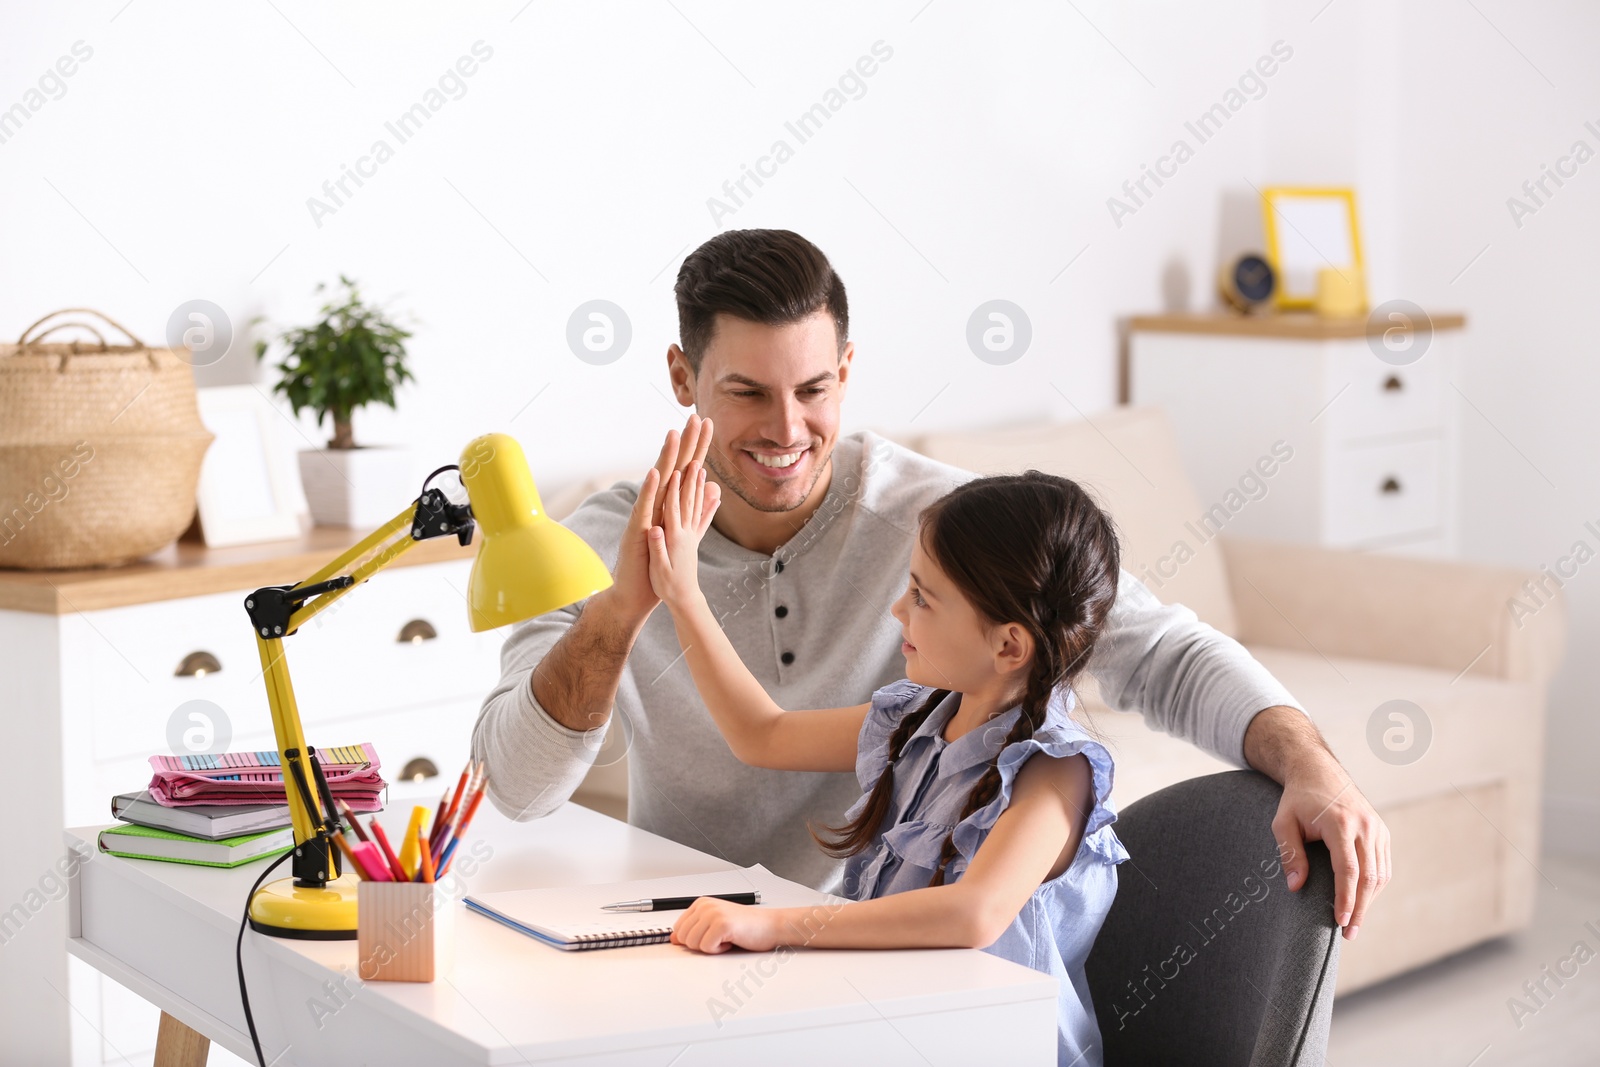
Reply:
x=283, y=909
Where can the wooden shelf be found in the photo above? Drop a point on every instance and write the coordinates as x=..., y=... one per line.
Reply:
x=188, y=569
x=1299, y=325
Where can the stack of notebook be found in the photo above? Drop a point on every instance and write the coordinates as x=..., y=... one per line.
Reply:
x=226, y=809
x=150, y=843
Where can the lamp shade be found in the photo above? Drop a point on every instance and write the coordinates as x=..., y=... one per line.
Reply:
x=527, y=564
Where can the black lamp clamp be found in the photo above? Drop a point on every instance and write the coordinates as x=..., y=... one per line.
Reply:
x=437, y=517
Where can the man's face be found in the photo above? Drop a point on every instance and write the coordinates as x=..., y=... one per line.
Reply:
x=774, y=394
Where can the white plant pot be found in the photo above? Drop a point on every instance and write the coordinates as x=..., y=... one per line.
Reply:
x=361, y=487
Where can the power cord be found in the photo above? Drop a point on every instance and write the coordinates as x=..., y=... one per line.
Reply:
x=238, y=956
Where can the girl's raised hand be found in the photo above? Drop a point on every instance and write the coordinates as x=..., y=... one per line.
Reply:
x=689, y=501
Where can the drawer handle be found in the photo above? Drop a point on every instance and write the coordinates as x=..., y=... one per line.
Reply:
x=1390, y=484
x=419, y=768
x=417, y=631
x=1393, y=384
x=197, y=665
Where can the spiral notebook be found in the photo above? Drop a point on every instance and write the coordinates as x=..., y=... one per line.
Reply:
x=571, y=918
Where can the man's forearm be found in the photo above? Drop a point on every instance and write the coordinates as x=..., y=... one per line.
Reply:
x=1187, y=678
x=577, y=680
x=1281, y=741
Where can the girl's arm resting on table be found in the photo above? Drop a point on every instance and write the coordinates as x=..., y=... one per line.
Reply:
x=1034, y=840
x=758, y=731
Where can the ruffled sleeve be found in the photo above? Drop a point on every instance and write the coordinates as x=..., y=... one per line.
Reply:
x=1056, y=741
x=889, y=705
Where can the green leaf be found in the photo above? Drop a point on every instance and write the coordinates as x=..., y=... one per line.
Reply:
x=353, y=357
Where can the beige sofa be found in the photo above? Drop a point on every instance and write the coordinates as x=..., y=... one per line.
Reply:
x=1346, y=632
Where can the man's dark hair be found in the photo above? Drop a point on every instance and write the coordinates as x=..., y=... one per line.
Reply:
x=774, y=277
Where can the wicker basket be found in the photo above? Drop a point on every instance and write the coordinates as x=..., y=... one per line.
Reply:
x=100, y=447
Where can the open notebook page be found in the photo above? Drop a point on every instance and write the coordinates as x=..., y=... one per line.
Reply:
x=571, y=915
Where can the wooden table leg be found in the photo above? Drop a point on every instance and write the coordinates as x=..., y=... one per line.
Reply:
x=179, y=1046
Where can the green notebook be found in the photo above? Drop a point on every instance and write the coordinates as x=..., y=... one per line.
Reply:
x=149, y=843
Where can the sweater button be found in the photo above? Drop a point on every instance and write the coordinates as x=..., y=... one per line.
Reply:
x=780, y=611
x=779, y=566
x=787, y=658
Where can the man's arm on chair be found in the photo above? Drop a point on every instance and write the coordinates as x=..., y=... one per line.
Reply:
x=1320, y=803
x=1194, y=682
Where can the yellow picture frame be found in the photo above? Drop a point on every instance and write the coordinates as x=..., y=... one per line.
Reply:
x=1308, y=228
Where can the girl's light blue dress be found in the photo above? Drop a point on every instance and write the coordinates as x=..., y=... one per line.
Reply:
x=932, y=780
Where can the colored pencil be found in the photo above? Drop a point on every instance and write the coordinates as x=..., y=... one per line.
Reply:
x=352, y=821
x=472, y=808
x=350, y=857
x=395, y=869
x=446, y=829
x=445, y=803
x=426, y=871
x=447, y=811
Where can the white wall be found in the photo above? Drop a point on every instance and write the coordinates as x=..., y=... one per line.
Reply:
x=976, y=165
x=1486, y=107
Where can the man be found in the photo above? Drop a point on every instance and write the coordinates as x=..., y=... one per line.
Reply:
x=807, y=552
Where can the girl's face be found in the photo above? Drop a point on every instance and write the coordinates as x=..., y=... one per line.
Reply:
x=947, y=644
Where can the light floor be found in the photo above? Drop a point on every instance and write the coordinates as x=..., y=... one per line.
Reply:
x=1455, y=1012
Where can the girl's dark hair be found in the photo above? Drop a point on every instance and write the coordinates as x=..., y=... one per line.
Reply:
x=1029, y=548
x=774, y=277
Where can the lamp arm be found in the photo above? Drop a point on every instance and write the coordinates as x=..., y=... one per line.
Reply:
x=278, y=611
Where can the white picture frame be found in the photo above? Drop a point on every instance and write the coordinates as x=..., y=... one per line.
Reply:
x=249, y=488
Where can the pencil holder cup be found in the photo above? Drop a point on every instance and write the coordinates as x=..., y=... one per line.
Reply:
x=404, y=931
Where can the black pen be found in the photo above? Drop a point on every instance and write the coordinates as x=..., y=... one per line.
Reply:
x=679, y=903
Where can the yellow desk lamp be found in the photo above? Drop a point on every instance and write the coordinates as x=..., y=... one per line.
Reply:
x=527, y=564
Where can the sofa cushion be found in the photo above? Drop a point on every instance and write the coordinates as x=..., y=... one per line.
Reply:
x=1482, y=728
x=1129, y=459
x=1463, y=817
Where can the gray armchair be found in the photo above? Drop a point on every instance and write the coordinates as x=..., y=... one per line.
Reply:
x=1206, y=957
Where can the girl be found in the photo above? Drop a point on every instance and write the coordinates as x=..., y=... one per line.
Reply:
x=962, y=838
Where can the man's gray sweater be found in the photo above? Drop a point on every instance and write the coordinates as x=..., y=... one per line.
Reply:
x=812, y=623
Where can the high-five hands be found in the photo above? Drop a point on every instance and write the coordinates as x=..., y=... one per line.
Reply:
x=687, y=506
x=631, y=588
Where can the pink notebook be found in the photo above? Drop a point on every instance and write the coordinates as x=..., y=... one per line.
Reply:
x=257, y=777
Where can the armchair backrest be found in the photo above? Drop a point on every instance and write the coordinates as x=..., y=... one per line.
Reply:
x=1129, y=459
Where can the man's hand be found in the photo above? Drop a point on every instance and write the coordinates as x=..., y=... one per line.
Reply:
x=630, y=591
x=1320, y=803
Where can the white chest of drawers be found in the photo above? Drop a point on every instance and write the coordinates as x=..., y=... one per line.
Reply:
x=1294, y=429
x=90, y=662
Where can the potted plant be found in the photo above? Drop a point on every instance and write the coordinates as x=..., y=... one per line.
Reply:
x=353, y=357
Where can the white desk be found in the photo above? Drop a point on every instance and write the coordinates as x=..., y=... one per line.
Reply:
x=166, y=931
